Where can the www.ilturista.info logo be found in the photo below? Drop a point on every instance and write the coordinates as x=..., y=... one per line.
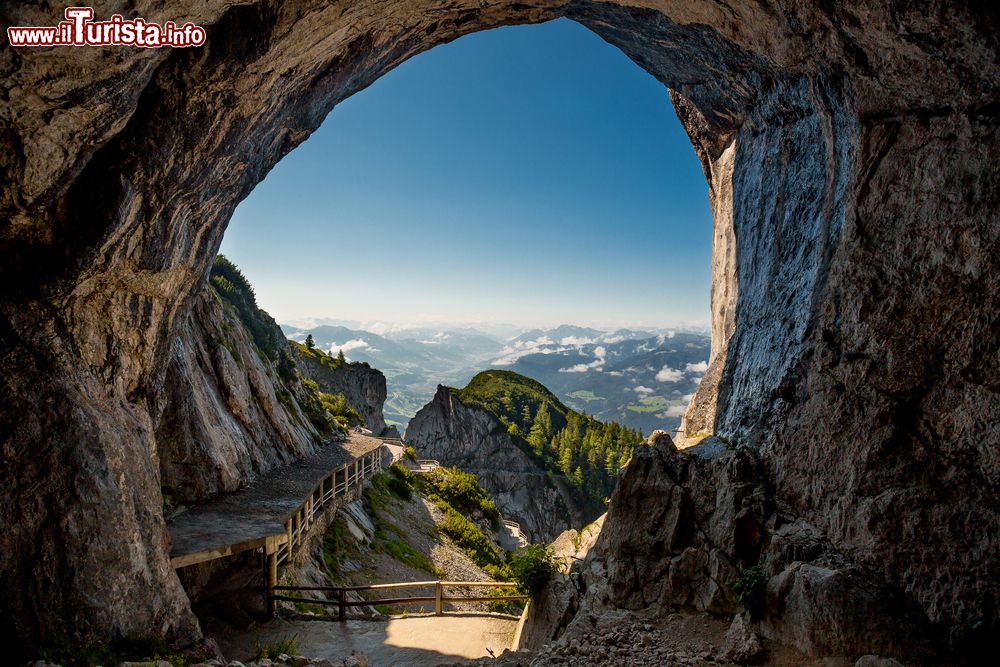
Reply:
x=79, y=29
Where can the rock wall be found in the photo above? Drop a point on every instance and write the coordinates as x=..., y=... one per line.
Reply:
x=227, y=415
x=474, y=440
x=362, y=386
x=849, y=147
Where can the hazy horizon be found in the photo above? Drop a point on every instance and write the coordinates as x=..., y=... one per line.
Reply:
x=386, y=326
x=529, y=176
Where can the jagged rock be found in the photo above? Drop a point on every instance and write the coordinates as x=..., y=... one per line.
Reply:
x=362, y=386
x=741, y=644
x=703, y=513
x=474, y=440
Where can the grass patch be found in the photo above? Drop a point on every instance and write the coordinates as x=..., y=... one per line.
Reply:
x=271, y=650
x=470, y=539
x=461, y=490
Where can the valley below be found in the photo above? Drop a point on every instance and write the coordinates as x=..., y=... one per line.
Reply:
x=641, y=379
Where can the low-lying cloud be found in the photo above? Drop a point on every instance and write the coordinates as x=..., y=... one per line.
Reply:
x=356, y=344
x=668, y=374
x=600, y=353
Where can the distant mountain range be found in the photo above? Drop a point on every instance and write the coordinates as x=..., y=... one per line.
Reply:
x=641, y=379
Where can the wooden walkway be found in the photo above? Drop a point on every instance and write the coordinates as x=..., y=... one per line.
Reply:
x=275, y=512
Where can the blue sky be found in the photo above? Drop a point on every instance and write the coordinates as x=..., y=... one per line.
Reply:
x=530, y=175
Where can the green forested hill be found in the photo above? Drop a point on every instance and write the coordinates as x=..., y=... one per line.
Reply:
x=583, y=450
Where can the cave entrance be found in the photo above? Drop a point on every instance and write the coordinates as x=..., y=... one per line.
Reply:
x=503, y=201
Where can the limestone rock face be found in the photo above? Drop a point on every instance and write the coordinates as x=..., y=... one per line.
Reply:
x=704, y=513
x=850, y=147
x=474, y=440
x=222, y=421
x=362, y=386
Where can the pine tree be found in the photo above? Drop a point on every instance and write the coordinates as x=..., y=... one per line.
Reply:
x=541, y=430
x=340, y=358
x=310, y=343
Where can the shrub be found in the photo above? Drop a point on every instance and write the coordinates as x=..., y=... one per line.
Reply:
x=336, y=405
x=271, y=650
x=503, y=606
x=533, y=567
x=399, y=488
x=470, y=539
x=461, y=490
x=410, y=453
x=750, y=588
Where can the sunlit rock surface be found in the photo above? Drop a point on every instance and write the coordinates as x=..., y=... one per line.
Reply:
x=474, y=440
x=851, y=151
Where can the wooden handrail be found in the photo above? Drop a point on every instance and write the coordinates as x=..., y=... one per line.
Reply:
x=438, y=599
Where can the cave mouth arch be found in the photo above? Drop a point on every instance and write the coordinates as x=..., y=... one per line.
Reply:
x=832, y=137
x=521, y=173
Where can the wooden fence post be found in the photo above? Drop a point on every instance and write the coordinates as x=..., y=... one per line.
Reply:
x=342, y=598
x=437, y=598
x=270, y=574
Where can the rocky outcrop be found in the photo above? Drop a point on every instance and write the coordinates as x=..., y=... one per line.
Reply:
x=227, y=414
x=473, y=439
x=704, y=514
x=362, y=386
x=711, y=519
x=850, y=151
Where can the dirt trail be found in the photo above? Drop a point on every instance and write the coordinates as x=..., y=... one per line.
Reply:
x=416, y=641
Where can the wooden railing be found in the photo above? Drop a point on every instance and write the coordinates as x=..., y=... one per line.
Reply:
x=341, y=602
x=426, y=465
x=337, y=484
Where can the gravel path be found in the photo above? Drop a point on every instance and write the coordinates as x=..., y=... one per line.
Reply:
x=415, y=641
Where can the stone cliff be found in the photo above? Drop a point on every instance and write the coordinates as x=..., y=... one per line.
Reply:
x=362, y=386
x=227, y=414
x=471, y=438
x=850, y=151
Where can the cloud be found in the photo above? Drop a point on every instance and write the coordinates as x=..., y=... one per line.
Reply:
x=668, y=374
x=676, y=410
x=643, y=390
x=599, y=354
x=699, y=367
x=576, y=340
x=611, y=340
x=511, y=353
x=617, y=374
x=356, y=344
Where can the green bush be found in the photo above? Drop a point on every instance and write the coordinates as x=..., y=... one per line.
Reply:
x=410, y=453
x=750, y=588
x=470, y=539
x=336, y=405
x=503, y=606
x=461, y=490
x=533, y=567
